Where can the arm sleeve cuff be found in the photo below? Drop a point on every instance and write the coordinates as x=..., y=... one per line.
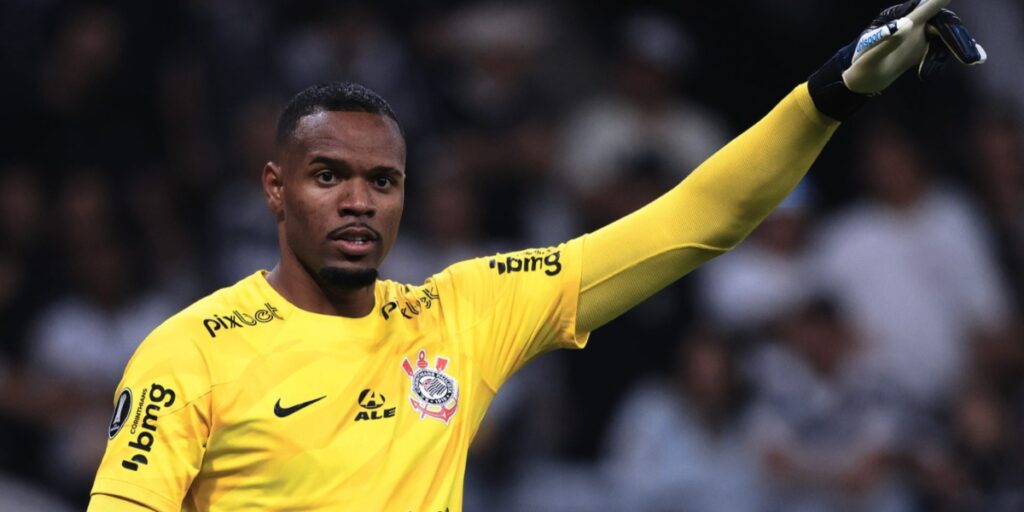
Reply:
x=829, y=92
x=127, y=491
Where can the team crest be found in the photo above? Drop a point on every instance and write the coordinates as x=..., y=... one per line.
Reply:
x=435, y=393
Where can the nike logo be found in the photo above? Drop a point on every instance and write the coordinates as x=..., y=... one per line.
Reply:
x=282, y=412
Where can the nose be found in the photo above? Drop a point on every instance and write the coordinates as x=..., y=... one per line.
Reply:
x=356, y=199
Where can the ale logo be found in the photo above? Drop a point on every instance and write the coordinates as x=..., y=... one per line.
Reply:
x=372, y=404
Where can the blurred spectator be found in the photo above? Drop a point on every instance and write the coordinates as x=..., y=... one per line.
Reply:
x=243, y=229
x=913, y=265
x=16, y=496
x=684, y=443
x=23, y=236
x=620, y=146
x=999, y=169
x=449, y=220
x=21, y=209
x=982, y=466
x=499, y=97
x=354, y=43
x=84, y=338
x=624, y=148
x=188, y=139
x=524, y=436
x=165, y=242
x=999, y=27
x=826, y=432
x=25, y=282
x=767, y=275
x=80, y=78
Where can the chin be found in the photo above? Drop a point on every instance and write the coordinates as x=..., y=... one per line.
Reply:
x=342, y=277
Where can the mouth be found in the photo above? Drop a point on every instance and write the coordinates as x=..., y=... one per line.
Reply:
x=354, y=240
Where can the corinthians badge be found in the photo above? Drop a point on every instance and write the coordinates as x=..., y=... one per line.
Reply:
x=435, y=393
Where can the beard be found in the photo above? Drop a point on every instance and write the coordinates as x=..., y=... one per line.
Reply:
x=348, y=279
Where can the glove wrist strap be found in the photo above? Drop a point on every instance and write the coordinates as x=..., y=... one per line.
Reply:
x=830, y=93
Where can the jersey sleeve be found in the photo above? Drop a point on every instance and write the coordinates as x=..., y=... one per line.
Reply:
x=707, y=214
x=160, y=425
x=509, y=308
x=108, y=503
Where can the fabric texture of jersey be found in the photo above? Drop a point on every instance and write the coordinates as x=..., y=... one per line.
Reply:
x=244, y=402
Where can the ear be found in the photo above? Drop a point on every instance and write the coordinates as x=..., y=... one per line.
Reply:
x=273, y=188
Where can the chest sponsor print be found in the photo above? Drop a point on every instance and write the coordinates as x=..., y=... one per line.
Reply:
x=435, y=394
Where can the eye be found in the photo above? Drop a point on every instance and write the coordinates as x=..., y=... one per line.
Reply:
x=383, y=181
x=326, y=177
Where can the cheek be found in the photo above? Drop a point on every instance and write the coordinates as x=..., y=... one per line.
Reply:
x=391, y=218
x=302, y=215
x=395, y=214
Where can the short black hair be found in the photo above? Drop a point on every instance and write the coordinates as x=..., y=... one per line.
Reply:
x=331, y=97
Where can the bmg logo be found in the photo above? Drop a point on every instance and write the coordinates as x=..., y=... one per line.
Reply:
x=529, y=261
x=237, y=319
x=159, y=397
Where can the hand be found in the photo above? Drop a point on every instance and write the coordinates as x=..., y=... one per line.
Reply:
x=917, y=32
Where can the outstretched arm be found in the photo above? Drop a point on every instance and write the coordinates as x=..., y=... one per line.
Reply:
x=707, y=214
x=722, y=201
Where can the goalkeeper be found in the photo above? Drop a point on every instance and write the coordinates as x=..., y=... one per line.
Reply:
x=317, y=386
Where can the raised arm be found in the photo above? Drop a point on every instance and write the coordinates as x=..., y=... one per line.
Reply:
x=707, y=214
x=722, y=201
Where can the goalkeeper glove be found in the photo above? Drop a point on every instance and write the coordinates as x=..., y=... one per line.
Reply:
x=918, y=32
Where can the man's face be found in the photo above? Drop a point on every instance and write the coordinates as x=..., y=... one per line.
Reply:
x=338, y=191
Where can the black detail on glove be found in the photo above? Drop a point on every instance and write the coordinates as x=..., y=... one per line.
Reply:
x=948, y=36
x=894, y=13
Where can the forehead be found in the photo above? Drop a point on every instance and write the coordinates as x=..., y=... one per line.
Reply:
x=359, y=138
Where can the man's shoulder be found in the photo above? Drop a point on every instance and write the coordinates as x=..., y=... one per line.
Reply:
x=236, y=305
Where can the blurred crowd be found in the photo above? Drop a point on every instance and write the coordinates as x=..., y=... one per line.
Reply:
x=862, y=351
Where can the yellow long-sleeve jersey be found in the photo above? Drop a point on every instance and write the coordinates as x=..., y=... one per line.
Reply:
x=245, y=402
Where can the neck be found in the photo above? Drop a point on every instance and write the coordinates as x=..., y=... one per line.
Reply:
x=307, y=292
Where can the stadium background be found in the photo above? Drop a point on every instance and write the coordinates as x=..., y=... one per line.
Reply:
x=861, y=352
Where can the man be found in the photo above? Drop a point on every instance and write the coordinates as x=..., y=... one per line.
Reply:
x=316, y=386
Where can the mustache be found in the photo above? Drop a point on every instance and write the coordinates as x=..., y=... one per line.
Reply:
x=335, y=233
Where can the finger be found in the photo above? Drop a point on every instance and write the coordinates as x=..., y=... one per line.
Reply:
x=933, y=61
x=948, y=27
x=927, y=10
x=901, y=53
x=886, y=60
x=895, y=12
x=873, y=39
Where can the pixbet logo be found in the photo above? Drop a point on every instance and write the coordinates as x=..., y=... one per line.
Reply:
x=237, y=319
x=529, y=261
x=159, y=397
x=410, y=308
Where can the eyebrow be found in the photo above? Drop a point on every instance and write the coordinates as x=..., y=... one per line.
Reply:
x=335, y=163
